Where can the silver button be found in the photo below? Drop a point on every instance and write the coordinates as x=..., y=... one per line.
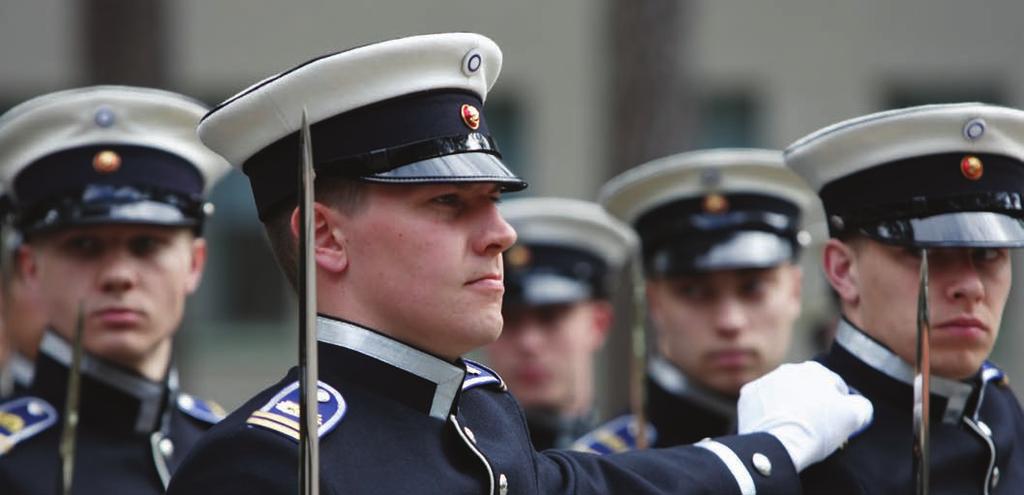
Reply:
x=502, y=484
x=469, y=434
x=985, y=430
x=167, y=447
x=762, y=464
x=995, y=477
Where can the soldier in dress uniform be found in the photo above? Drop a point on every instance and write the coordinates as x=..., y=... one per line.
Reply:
x=408, y=253
x=108, y=185
x=557, y=311
x=721, y=236
x=942, y=182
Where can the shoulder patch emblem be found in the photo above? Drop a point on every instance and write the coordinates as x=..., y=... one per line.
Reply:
x=203, y=410
x=23, y=418
x=990, y=373
x=617, y=435
x=281, y=414
x=478, y=375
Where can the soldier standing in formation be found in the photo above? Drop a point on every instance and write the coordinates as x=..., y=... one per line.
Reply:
x=108, y=186
x=942, y=182
x=408, y=253
x=557, y=311
x=721, y=236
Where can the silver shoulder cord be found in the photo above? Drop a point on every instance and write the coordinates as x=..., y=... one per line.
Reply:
x=922, y=384
x=309, y=440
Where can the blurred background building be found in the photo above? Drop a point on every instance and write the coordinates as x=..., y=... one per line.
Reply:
x=588, y=89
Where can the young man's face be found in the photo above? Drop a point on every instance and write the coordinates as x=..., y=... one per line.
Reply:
x=967, y=290
x=725, y=328
x=131, y=281
x=424, y=264
x=546, y=353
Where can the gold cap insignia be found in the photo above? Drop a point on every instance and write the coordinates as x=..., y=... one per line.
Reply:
x=106, y=162
x=518, y=256
x=470, y=116
x=715, y=203
x=971, y=167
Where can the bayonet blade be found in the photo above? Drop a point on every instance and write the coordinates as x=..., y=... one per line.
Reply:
x=309, y=449
x=922, y=384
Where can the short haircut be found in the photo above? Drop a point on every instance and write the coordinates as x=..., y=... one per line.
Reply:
x=346, y=195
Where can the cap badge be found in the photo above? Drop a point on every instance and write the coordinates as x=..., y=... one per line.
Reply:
x=518, y=256
x=106, y=162
x=974, y=129
x=104, y=117
x=471, y=62
x=470, y=116
x=971, y=167
x=711, y=177
x=715, y=203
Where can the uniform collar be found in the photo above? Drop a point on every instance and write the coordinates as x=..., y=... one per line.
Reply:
x=21, y=368
x=880, y=358
x=110, y=395
x=669, y=378
x=423, y=381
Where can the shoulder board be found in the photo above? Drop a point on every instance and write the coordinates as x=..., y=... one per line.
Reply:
x=23, y=418
x=203, y=410
x=990, y=373
x=478, y=375
x=617, y=435
x=281, y=414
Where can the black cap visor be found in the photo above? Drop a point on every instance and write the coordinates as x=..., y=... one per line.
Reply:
x=461, y=167
x=106, y=204
x=729, y=251
x=540, y=289
x=958, y=229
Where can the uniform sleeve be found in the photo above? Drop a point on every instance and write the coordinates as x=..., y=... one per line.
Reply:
x=243, y=462
x=741, y=465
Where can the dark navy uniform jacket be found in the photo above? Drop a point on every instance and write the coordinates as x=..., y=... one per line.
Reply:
x=678, y=412
x=555, y=431
x=410, y=422
x=977, y=429
x=132, y=433
x=683, y=412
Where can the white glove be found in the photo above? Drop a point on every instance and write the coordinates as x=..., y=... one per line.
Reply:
x=807, y=407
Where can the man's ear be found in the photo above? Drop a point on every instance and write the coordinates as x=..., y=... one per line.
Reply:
x=602, y=315
x=840, y=264
x=26, y=265
x=197, y=265
x=329, y=245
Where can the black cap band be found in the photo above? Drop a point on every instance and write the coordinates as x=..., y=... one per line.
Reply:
x=555, y=274
x=372, y=140
x=134, y=184
x=921, y=187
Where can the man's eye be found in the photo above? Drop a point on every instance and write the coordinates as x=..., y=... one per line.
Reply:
x=691, y=291
x=448, y=200
x=986, y=254
x=84, y=246
x=144, y=245
x=753, y=287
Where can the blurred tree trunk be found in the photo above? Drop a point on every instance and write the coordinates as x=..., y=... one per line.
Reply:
x=652, y=115
x=652, y=109
x=123, y=42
